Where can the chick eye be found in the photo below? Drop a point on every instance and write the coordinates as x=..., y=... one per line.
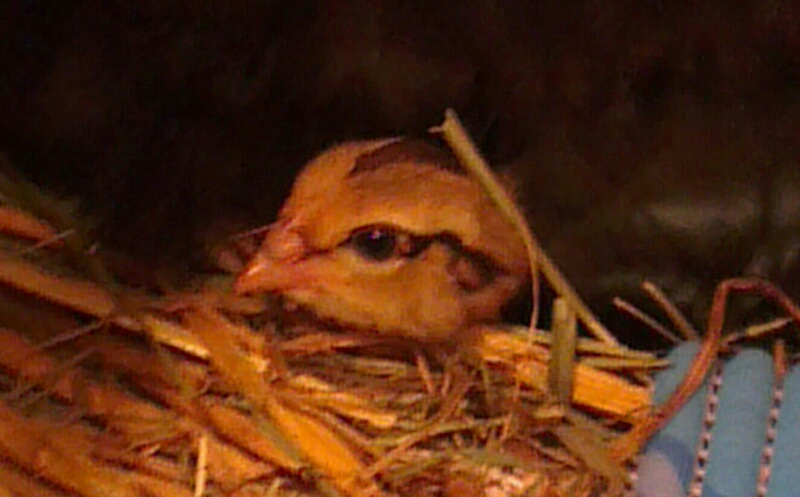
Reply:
x=376, y=244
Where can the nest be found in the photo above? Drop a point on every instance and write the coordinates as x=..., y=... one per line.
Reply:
x=113, y=391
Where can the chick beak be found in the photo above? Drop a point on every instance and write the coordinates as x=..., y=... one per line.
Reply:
x=264, y=274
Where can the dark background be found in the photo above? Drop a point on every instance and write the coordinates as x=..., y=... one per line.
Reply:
x=649, y=139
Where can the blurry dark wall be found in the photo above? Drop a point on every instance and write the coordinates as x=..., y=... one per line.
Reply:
x=629, y=123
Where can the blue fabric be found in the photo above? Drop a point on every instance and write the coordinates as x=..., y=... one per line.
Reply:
x=785, y=479
x=738, y=433
x=658, y=477
x=664, y=469
x=669, y=457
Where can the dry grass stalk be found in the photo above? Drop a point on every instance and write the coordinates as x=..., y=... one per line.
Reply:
x=317, y=413
x=465, y=149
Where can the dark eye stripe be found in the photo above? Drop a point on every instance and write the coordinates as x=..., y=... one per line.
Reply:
x=472, y=270
x=380, y=243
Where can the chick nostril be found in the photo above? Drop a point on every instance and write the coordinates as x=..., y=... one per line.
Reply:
x=246, y=282
x=285, y=244
x=255, y=277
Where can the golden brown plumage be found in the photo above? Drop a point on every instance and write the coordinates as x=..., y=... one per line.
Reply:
x=389, y=236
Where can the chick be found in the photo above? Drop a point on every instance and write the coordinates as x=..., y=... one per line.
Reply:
x=390, y=236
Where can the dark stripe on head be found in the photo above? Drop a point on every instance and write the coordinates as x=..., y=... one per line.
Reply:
x=413, y=151
x=471, y=270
